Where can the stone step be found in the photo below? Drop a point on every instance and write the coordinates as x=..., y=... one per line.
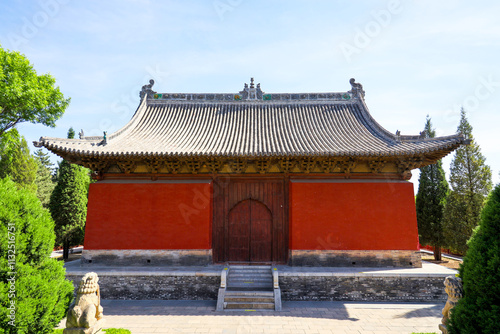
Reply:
x=250, y=283
x=263, y=270
x=250, y=279
x=250, y=272
x=249, y=267
x=249, y=288
x=250, y=276
x=247, y=305
x=236, y=293
x=249, y=299
x=265, y=273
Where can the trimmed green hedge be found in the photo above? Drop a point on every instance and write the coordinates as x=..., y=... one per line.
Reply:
x=34, y=293
x=479, y=310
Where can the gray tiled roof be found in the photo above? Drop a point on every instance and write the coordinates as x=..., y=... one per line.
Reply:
x=325, y=124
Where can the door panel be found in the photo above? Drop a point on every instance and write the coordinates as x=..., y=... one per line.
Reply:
x=239, y=232
x=261, y=233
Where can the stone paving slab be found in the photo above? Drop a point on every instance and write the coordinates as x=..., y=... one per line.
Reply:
x=174, y=316
x=428, y=270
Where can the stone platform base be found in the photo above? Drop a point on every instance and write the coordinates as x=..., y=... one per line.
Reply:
x=323, y=287
x=134, y=257
x=139, y=283
x=297, y=283
x=355, y=258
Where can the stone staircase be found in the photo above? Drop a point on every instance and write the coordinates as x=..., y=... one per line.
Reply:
x=249, y=288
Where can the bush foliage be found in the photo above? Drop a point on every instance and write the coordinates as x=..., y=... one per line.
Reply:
x=42, y=294
x=479, y=310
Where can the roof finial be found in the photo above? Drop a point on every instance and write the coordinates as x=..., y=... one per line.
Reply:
x=357, y=88
x=147, y=89
x=251, y=83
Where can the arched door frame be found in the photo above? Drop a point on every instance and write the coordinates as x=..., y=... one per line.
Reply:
x=270, y=191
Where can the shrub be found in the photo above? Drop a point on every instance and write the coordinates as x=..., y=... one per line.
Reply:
x=40, y=294
x=479, y=310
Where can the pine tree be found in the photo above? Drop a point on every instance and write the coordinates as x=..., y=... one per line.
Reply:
x=430, y=202
x=68, y=204
x=479, y=310
x=470, y=180
x=16, y=162
x=44, y=182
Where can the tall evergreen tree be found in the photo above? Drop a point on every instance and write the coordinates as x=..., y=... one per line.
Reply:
x=68, y=204
x=16, y=162
x=430, y=202
x=470, y=180
x=479, y=310
x=45, y=184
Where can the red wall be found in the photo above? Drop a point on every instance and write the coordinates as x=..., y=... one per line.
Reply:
x=149, y=216
x=355, y=216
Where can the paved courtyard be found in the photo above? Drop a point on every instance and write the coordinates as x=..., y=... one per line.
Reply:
x=159, y=316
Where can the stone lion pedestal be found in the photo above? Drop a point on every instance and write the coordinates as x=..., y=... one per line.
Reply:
x=85, y=314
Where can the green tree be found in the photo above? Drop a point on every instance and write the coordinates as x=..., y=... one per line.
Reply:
x=26, y=96
x=44, y=183
x=68, y=204
x=431, y=200
x=479, y=310
x=16, y=161
x=34, y=294
x=470, y=180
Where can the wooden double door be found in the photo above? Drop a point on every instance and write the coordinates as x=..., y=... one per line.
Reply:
x=249, y=224
x=250, y=232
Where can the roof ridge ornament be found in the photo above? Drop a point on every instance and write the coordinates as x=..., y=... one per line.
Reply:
x=251, y=93
x=357, y=89
x=147, y=90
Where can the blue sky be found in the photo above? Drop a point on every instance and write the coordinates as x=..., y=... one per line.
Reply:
x=413, y=58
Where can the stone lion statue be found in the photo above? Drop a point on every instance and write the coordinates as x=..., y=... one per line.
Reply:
x=454, y=289
x=85, y=314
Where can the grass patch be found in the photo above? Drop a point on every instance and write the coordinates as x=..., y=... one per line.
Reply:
x=117, y=331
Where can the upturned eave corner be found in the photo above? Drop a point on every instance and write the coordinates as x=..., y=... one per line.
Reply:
x=38, y=143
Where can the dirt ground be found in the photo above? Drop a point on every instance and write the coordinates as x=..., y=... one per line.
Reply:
x=446, y=262
x=71, y=257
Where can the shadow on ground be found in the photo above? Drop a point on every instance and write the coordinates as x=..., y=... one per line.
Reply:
x=421, y=313
x=320, y=310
